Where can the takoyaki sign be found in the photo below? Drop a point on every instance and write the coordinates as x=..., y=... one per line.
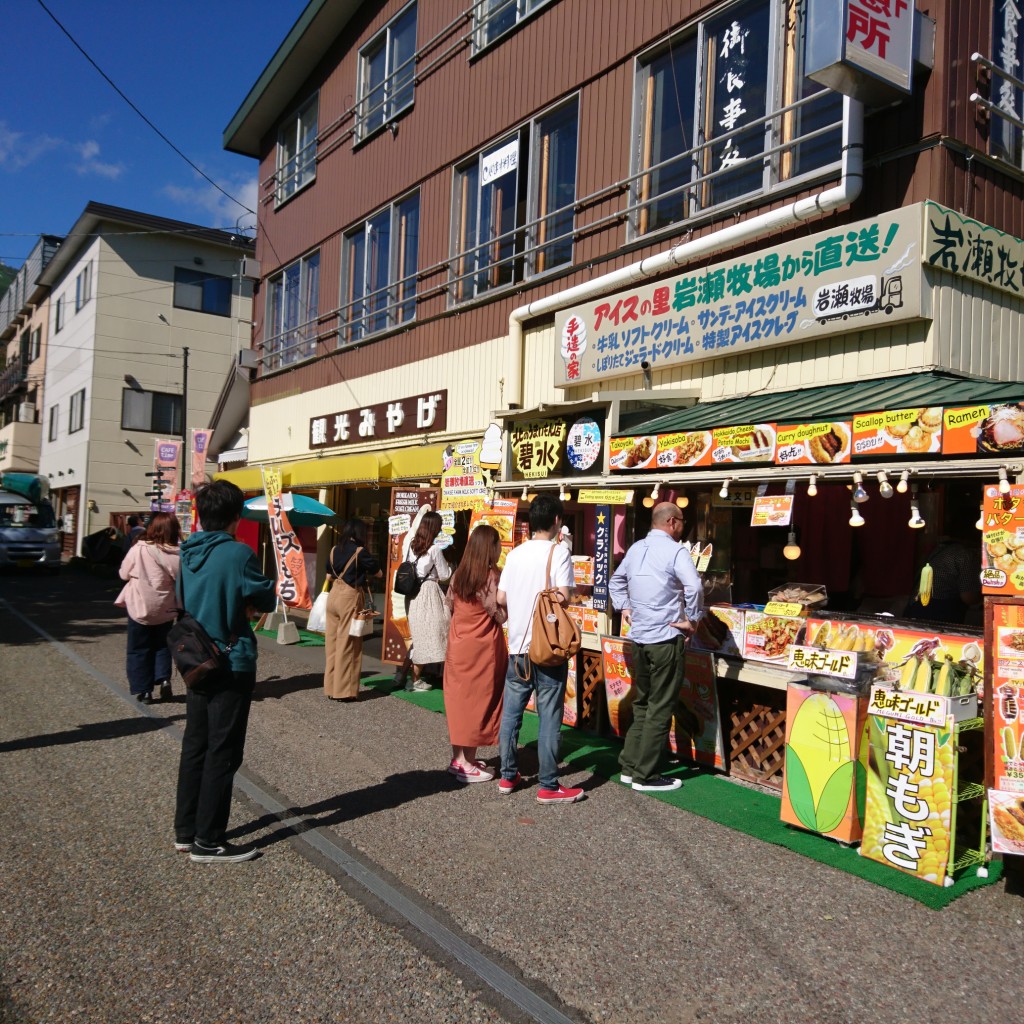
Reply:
x=856, y=277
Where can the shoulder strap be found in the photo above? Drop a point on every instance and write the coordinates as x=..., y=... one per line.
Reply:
x=547, y=569
x=348, y=564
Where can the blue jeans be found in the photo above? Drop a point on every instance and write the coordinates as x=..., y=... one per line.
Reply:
x=549, y=682
x=148, y=660
x=216, y=721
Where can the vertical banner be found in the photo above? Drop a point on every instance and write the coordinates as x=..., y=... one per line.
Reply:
x=910, y=786
x=602, y=555
x=406, y=504
x=200, y=444
x=617, y=663
x=165, y=460
x=825, y=772
x=696, y=732
x=291, y=565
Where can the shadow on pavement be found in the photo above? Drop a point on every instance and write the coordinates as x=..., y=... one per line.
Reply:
x=394, y=791
x=118, y=729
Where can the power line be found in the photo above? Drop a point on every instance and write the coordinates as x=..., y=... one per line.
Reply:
x=74, y=42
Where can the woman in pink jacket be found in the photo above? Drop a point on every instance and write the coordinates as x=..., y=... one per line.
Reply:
x=151, y=570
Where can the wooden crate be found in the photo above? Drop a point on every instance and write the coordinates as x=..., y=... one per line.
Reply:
x=590, y=714
x=754, y=721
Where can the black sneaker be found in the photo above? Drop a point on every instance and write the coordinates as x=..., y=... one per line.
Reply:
x=657, y=784
x=225, y=853
x=144, y=698
x=165, y=690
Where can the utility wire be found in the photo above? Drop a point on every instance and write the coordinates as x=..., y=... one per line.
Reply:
x=110, y=82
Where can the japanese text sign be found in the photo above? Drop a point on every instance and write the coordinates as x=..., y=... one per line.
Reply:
x=813, y=444
x=462, y=485
x=617, y=663
x=791, y=293
x=401, y=418
x=907, y=706
x=772, y=510
x=1002, y=553
x=602, y=555
x=841, y=664
x=291, y=566
x=880, y=39
x=898, y=432
x=537, y=448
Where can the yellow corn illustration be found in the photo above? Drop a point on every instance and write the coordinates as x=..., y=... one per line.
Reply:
x=1009, y=743
x=908, y=673
x=944, y=682
x=924, y=590
x=923, y=678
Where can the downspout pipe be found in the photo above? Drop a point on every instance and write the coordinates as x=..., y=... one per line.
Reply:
x=810, y=208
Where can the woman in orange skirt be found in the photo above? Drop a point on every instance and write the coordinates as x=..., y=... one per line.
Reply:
x=477, y=656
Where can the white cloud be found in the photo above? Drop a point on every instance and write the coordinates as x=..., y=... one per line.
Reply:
x=89, y=164
x=19, y=150
x=205, y=202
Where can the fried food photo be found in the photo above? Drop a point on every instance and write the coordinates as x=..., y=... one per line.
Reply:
x=996, y=550
x=1010, y=821
x=917, y=440
x=828, y=447
x=930, y=419
x=898, y=431
x=640, y=452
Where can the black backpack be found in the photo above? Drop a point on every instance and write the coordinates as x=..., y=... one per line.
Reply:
x=407, y=581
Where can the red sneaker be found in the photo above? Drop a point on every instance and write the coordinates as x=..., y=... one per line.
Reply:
x=506, y=786
x=559, y=796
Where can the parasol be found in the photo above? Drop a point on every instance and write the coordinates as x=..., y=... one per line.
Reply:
x=302, y=511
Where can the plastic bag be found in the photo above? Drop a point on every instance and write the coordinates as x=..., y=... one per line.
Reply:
x=318, y=614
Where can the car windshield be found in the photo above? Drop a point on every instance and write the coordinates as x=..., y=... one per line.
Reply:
x=39, y=517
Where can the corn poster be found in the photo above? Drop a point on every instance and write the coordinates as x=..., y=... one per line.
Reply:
x=910, y=785
x=291, y=566
x=826, y=765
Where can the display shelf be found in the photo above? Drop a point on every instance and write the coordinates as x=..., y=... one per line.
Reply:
x=969, y=808
x=740, y=670
x=969, y=791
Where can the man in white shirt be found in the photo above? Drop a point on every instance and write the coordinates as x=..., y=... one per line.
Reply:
x=522, y=579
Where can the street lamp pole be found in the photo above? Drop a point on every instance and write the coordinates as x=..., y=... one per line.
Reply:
x=184, y=414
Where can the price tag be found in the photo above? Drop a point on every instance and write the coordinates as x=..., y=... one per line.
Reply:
x=789, y=609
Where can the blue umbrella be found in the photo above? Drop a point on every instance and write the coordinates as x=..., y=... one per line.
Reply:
x=302, y=511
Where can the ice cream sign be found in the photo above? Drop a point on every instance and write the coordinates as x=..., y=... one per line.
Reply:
x=462, y=485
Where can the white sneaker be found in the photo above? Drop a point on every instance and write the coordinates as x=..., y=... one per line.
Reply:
x=477, y=773
x=421, y=686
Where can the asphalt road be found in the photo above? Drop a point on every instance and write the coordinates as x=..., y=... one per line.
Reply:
x=386, y=892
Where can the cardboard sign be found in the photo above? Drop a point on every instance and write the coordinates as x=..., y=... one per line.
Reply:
x=772, y=510
x=1002, y=551
x=698, y=697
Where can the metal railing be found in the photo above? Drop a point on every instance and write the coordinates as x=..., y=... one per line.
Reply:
x=11, y=378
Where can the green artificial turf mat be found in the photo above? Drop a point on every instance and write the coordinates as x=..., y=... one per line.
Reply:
x=750, y=811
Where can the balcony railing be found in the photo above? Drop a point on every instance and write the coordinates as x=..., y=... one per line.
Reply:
x=12, y=378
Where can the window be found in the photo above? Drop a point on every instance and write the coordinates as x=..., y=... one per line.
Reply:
x=83, y=286
x=379, y=271
x=35, y=346
x=387, y=67
x=152, y=411
x=513, y=213
x=711, y=103
x=494, y=18
x=76, y=420
x=293, y=298
x=51, y=432
x=205, y=293
x=58, y=318
x=296, y=151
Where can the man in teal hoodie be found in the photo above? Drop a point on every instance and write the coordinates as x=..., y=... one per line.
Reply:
x=220, y=584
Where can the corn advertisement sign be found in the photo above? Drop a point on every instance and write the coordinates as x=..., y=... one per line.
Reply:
x=910, y=785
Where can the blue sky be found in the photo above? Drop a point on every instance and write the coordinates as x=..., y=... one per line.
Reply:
x=67, y=138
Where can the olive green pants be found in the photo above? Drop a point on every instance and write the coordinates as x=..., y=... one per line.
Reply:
x=657, y=672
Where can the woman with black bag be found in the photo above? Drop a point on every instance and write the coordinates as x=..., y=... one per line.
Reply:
x=429, y=618
x=349, y=565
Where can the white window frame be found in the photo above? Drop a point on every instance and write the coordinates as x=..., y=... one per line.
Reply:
x=35, y=344
x=287, y=344
x=487, y=11
x=83, y=286
x=53, y=429
x=293, y=179
x=397, y=288
x=527, y=234
x=76, y=413
x=58, y=315
x=780, y=78
x=372, y=118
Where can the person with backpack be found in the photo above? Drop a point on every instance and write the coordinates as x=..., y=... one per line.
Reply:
x=535, y=565
x=429, y=618
x=660, y=595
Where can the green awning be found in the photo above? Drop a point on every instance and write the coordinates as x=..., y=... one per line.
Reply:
x=834, y=402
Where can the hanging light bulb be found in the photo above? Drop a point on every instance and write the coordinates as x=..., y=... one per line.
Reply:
x=915, y=522
x=724, y=492
x=812, y=485
x=523, y=496
x=856, y=519
x=651, y=498
x=563, y=493
x=980, y=524
x=884, y=487
x=1004, y=484
x=859, y=494
x=682, y=501
x=792, y=549
x=902, y=485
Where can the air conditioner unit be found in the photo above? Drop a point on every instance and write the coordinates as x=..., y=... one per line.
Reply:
x=248, y=359
x=26, y=412
x=250, y=268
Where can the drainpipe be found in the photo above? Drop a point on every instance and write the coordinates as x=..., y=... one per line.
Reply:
x=774, y=221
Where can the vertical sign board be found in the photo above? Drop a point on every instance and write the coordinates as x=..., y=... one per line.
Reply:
x=291, y=565
x=1008, y=52
x=617, y=663
x=696, y=732
x=1004, y=721
x=405, y=504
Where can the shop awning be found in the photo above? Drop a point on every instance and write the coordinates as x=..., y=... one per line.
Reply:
x=251, y=478
x=423, y=462
x=834, y=401
x=341, y=469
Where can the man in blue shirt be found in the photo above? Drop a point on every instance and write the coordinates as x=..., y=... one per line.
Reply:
x=659, y=593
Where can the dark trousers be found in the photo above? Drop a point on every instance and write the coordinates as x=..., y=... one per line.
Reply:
x=657, y=672
x=216, y=721
x=148, y=660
